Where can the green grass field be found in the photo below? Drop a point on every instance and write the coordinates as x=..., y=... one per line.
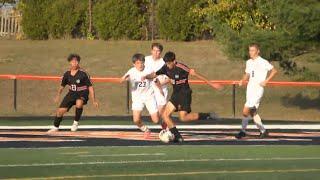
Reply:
x=163, y=162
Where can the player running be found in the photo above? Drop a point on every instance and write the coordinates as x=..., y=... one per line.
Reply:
x=142, y=93
x=180, y=100
x=80, y=87
x=154, y=62
x=256, y=72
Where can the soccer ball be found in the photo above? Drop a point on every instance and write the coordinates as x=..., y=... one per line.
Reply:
x=166, y=136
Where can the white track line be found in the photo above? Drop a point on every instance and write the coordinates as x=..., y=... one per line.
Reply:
x=122, y=155
x=273, y=126
x=157, y=161
x=176, y=174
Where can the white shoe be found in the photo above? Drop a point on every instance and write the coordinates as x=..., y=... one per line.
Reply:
x=52, y=130
x=214, y=116
x=74, y=126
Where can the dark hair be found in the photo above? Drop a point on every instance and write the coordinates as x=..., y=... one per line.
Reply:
x=137, y=57
x=256, y=45
x=169, y=57
x=74, y=56
x=158, y=45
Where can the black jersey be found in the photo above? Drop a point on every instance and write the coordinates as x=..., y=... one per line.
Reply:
x=80, y=82
x=179, y=74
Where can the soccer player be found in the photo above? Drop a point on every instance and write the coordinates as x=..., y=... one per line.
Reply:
x=154, y=62
x=80, y=87
x=256, y=72
x=180, y=100
x=142, y=93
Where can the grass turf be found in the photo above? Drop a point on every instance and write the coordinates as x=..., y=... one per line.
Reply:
x=170, y=162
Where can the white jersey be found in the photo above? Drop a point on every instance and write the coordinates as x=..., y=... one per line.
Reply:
x=140, y=89
x=258, y=70
x=153, y=66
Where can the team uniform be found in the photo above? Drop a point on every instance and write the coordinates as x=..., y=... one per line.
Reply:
x=258, y=70
x=154, y=66
x=181, y=97
x=78, y=88
x=142, y=91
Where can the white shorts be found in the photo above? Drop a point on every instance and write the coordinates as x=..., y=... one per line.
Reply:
x=253, y=96
x=150, y=103
x=161, y=99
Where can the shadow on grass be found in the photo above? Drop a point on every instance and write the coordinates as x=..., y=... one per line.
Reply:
x=301, y=101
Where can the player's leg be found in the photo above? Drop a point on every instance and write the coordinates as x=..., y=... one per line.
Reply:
x=78, y=113
x=169, y=109
x=161, y=103
x=258, y=122
x=245, y=121
x=138, y=122
x=67, y=102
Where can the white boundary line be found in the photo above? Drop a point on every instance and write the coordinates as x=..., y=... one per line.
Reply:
x=175, y=174
x=273, y=126
x=121, y=155
x=157, y=161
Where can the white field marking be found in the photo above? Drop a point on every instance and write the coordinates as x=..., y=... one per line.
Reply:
x=122, y=155
x=177, y=174
x=125, y=127
x=74, y=153
x=158, y=161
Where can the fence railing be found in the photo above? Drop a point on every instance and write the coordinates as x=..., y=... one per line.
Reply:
x=9, y=22
x=232, y=83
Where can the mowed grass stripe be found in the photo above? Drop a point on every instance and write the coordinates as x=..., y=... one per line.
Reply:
x=177, y=174
x=157, y=161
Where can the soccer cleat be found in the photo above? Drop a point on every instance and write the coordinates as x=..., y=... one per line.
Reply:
x=52, y=130
x=74, y=126
x=147, y=135
x=264, y=134
x=213, y=116
x=240, y=135
x=178, y=139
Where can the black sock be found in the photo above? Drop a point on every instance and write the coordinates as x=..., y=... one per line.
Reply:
x=57, y=121
x=175, y=132
x=204, y=116
x=78, y=114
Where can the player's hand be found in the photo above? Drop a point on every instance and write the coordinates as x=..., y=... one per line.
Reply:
x=263, y=83
x=95, y=103
x=216, y=86
x=56, y=99
x=143, y=78
x=240, y=83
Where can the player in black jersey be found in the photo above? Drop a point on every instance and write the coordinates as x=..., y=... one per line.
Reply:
x=80, y=87
x=180, y=100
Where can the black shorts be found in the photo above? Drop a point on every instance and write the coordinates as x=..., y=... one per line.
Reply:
x=182, y=100
x=70, y=99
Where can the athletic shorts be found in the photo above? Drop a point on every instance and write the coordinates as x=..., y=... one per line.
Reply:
x=161, y=99
x=253, y=96
x=150, y=103
x=182, y=100
x=70, y=99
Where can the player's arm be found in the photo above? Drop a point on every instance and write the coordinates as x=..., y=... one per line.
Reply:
x=56, y=99
x=244, y=79
x=192, y=72
x=93, y=97
x=150, y=76
x=159, y=86
x=271, y=75
x=124, y=78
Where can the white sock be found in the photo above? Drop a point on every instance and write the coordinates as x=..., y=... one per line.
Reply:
x=75, y=122
x=258, y=122
x=144, y=128
x=245, y=122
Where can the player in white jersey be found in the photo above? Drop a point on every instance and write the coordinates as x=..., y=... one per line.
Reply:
x=142, y=93
x=154, y=63
x=256, y=72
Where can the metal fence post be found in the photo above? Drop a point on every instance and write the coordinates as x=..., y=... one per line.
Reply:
x=234, y=100
x=15, y=94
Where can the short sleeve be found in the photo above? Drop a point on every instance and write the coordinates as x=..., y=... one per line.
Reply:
x=268, y=65
x=87, y=80
x=163, y=70
x=64, y=80
x=247, y=68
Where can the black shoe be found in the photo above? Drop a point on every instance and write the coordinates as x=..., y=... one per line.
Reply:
x=240, y=135
x=264, y=134
x=178, y=140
